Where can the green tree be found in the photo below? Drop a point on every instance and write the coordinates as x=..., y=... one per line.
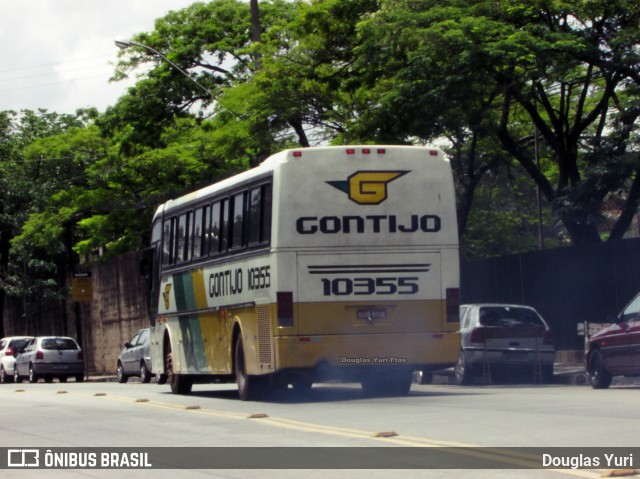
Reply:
x=211, y=42
x=26, y=181
x=507, y=72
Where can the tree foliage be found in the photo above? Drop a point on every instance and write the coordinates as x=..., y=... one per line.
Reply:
x=564, y=73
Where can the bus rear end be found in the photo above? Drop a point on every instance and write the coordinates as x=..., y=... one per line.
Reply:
x=365, y=256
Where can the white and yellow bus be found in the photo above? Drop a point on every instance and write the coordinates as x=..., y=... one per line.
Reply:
x=321, y=264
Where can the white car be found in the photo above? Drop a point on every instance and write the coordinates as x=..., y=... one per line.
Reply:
x=50, y=357
x=8, y=348
x=503, y=337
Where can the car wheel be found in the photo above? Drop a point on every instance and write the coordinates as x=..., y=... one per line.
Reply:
x=145, y=375
x=4, y=377
x=80, y=378
x=599, y=376
x=120, y=375
x=16, y=377
x=48, y=379
x=464, y=374
x=33, y=377
x=63, y=379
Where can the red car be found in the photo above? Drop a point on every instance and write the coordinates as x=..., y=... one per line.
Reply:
x=615, y=350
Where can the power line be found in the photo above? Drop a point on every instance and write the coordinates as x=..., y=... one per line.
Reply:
x=53, y=73
x=50, y=84
x=13, y=69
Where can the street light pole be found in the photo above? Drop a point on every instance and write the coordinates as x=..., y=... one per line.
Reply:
x=126, y=44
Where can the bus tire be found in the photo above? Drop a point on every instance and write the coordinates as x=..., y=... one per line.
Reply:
x=248, y=386
x=179, y=384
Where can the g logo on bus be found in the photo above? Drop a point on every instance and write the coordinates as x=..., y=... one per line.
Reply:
x=166, y=296
x=367, y=187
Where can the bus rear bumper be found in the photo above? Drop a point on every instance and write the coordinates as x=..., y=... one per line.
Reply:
x=414, y=351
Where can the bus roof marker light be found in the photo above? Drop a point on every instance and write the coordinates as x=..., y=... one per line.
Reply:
x=366, y=151
x=433, y=152
x=351, y=151
x=381, y=151
x=297, y=154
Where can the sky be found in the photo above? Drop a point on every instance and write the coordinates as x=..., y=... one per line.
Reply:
x=59, y=54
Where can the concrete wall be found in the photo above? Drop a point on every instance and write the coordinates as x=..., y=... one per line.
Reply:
x=118, y=309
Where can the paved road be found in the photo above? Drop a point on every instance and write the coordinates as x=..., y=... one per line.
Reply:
x=147, y=415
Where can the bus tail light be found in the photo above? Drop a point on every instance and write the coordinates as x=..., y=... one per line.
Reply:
x=453, y=305
x=285, y=308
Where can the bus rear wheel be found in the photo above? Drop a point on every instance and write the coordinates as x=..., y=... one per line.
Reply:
x=249, y=387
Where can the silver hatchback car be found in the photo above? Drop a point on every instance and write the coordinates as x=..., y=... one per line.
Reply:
x=9, y=347
x=50, y=357
x=135, y=359
x=503, y=337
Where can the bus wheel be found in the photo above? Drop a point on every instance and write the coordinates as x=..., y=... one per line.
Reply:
x=248, y=386
x=179, y=384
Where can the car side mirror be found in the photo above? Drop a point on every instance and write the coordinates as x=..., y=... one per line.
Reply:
x=127, y=345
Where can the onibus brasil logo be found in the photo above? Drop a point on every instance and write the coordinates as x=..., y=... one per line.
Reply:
x=367, y=187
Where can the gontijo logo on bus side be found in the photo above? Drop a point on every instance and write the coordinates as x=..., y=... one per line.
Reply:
x=368, y=187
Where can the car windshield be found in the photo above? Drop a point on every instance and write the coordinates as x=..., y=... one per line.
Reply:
x=58, y=343
x=508, y=316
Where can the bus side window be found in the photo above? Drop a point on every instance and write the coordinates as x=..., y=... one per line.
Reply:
x=182, y=244
x=259, y=227
x=255, y=215
x=216, y=228
x=237, y=226
x=167, y=241
x=265, y=229
x=201, y=223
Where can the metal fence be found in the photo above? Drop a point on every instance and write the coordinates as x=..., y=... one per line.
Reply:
x=566, y=285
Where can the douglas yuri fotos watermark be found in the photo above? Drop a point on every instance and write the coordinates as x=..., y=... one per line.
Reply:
x=373, y=360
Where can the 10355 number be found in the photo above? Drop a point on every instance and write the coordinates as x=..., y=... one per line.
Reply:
x=370, y=286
